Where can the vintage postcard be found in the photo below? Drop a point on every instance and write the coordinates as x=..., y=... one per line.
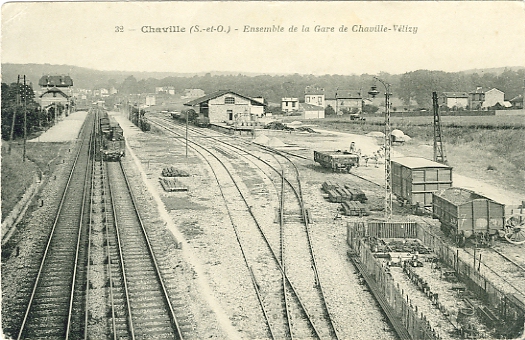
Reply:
x=263, y=170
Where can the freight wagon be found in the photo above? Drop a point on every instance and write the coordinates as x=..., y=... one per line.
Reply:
x=414, y=180
x=465, y=214
x=193, y=117
x=337, y=160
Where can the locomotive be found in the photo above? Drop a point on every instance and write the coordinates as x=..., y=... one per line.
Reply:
x=112, y=142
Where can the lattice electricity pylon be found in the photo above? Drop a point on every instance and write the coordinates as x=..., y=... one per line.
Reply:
x=387, y=146
x=439, y=148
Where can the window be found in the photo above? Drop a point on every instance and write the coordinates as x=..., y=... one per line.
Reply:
x=229, y=100
x=230, y=114
x=293, y=104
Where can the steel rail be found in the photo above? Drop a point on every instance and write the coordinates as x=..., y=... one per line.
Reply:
x=105, y=185
x=131, y=329
x=279, y=263
x=48, y=244
x=173, y=318
x=88, y=265
x=299, y=196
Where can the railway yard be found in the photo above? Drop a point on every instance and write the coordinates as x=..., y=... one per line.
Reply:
x=198, y=234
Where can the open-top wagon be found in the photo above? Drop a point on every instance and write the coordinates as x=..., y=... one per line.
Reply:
x=465, y=214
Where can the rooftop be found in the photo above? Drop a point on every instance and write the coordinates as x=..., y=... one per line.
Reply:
x=218, y=94
x=418, y=162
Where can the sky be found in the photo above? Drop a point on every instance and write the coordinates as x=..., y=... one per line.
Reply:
x=448, y=36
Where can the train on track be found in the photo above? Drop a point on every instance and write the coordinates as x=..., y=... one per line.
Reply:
x=192, y=117
x=112, y=142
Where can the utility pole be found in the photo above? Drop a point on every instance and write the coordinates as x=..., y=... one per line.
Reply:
x=25, y=119
x=187, y=114
x=17, y=99
x=439, y=148
x=388, y=146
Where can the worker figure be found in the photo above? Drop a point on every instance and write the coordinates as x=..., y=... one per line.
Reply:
x=352, y=148
x=376, y=159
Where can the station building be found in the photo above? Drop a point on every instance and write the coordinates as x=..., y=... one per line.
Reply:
x=228, y=106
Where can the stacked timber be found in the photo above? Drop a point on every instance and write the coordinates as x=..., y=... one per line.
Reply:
x=353, y=208
x=172, y=184
x=339, y=193
x=172, y=172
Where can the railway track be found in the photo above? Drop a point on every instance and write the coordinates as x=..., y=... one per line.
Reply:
x=127, y=297
x=301, y=299
x=55, y=305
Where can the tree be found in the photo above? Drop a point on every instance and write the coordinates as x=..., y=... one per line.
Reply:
x=329, y=111
x=367, y=108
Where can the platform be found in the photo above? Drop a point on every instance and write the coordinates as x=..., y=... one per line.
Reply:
x=67, y=129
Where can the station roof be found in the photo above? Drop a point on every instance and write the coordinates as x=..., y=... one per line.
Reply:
x=218, y=94
x=418, y=162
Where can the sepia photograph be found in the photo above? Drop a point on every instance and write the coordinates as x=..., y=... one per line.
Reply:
x=342, y=170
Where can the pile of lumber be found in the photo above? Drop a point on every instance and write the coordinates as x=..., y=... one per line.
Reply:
x=338, y=192
x=172, y=172
x=353, y=208
x=172, y=184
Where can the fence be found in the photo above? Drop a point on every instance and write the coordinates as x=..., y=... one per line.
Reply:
x=508, y=309
x=399, y=308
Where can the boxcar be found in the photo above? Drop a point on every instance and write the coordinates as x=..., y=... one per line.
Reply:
x=464, y=214
x=414, y=180
x=337, y=160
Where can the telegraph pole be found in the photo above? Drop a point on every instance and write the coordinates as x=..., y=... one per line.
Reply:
x=17, y=99
x=388, y=146
x=187, y=114
x=25, y=119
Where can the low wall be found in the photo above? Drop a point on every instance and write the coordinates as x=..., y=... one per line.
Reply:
x=407, y=321
x=510, y=113
x=14, y=217
x=507, y=307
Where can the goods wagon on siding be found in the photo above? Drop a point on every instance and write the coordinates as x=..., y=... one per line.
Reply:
x=465, y=214
x=337, y=160
x=414, y=180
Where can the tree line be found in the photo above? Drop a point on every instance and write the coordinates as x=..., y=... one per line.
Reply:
x=410, y=87
x=17, y=98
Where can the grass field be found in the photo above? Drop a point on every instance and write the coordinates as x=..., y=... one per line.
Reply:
x=18, y=175
x=490, y=148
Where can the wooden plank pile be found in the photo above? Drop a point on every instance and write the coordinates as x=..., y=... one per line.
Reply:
x=354, y=208
x=172, y=184
x=351, y=198
x=338, y=193
x=172, y=172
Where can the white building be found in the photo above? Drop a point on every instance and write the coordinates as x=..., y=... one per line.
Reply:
x=310, y=111
x=315, y=98
x=289, y=104
x=150, y=100
x=493, y=97
x=227, y=106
